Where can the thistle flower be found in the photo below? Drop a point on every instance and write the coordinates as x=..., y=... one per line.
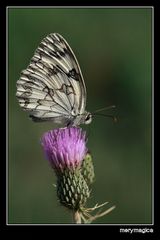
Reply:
x=65, y=148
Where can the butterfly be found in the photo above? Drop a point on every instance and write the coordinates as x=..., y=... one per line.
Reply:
x=52, y=87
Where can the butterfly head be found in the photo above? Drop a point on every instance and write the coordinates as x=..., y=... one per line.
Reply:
x=88, y=118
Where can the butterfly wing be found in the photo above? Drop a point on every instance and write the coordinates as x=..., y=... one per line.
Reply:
x=52, y=86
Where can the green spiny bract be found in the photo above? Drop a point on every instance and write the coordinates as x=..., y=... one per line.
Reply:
x=88, y=169
x=72, y=189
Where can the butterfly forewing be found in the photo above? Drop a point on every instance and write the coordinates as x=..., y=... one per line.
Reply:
x=52, y=86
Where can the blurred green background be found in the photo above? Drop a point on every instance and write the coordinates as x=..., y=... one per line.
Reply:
x=113, y=47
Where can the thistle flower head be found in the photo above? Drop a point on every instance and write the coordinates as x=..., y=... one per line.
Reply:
x=65, y=147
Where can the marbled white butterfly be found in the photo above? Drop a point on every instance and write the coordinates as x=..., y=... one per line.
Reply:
x=52, y=87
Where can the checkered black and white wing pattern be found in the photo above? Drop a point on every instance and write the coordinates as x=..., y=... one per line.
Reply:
x=52, y=86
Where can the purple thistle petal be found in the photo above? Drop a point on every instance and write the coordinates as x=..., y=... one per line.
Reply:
x=64, y=147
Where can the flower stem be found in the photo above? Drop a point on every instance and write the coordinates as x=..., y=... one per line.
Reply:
x=77, y=217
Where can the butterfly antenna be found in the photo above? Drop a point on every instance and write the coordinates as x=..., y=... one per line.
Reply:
x=105, y=108
x=106, y=115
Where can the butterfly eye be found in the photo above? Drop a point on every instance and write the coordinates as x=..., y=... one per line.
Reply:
x=88, y=118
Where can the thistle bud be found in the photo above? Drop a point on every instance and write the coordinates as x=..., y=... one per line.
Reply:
x=88, y=169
